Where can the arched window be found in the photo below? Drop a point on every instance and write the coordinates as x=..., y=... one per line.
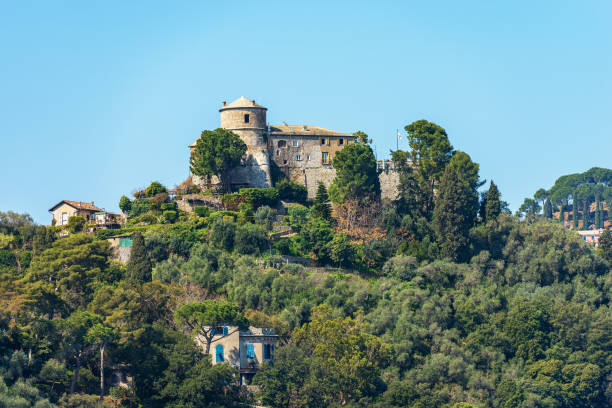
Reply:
x=219, y=353
x=250, y=351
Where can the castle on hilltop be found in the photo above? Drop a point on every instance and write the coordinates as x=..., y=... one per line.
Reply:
x=303, y=153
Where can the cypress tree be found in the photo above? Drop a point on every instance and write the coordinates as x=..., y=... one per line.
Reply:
x=454, y=215
x=493, y=204
x=482, y=207
x=585, y=215
x=575, y=211
x=548, y=209
x=139, y=266
x=322, y=207
x=562, y=214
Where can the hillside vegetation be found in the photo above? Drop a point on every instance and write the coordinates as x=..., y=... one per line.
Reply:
x=440, y=298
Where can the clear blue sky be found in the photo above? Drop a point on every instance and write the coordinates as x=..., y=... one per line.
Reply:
x=98, y=98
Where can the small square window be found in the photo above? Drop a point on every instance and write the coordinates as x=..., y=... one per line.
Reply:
x=341, y=141
x=307, y=157
x=298, y=157
x=294, y=143
x=323, y=141
x=246, y=118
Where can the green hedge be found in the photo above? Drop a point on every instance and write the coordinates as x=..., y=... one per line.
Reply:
x=201, y=211
x=170, y=216
x=292, y=191
x=260, y=196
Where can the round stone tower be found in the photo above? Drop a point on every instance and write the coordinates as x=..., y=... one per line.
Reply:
x=248, y=120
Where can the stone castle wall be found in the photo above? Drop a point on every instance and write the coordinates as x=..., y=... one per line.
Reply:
x=304, y=154
x=311, y=176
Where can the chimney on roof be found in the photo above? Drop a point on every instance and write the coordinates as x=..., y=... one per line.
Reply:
x=285, y=123
x=253, y=102
x=305, y=128
x=224, y=103
x=91, y=202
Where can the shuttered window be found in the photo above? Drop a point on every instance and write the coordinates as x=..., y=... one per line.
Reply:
x=250, y=351
x=219, y=354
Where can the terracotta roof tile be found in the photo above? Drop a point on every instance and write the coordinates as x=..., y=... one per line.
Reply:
x=305, y=130
x=81, y=205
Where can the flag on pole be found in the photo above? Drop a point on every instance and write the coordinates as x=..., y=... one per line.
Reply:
x=399, y=135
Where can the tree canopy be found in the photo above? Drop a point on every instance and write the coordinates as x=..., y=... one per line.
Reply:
x=356, y=174
x=216, y=152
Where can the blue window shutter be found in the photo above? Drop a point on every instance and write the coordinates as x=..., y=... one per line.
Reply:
x=225, y=330
x=250, y=351
x=266, y=351
x=219, y=353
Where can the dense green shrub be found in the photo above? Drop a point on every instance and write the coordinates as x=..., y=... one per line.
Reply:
x=155, y=188
x=75, y=223
x=7, y=257
x=265, y=216
x=171, y=206
x=297, y=216
x=145, y=218
x=170, y=216
x=201, y=211
x=260, y=196
x=250, y=239
x=125, y=204
x=292, y=191
x=222, y=234
x=139, y=207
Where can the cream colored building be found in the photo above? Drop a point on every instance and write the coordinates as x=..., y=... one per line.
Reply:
x=65, y=209
x=245, y=350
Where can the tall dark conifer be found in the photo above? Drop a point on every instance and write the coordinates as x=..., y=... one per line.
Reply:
x=493, y=203
x=455, y=210
x=139, y=266
x=547, y=209
x=562, y=214
x=575, y=211
x=322, y=207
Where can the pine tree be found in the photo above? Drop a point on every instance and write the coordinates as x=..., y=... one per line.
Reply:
x=493, y=204
x=454, y=215
x=322, y=207
x=548, y=209
x=139, y=266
